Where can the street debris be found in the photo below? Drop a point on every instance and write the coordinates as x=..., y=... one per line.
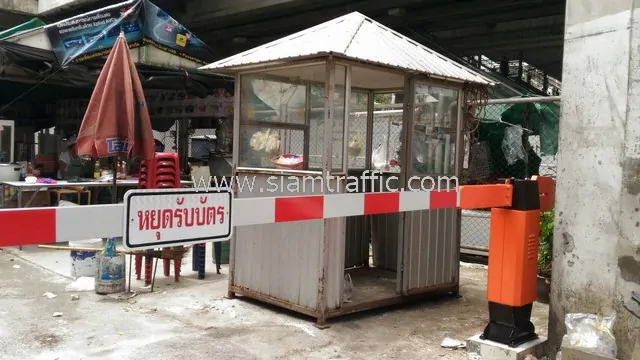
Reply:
x=449, y=343
x=82, y=284
x=123, y=296
x=16, y=266
x=57, y=314
x=74, y=297
x=49, y=295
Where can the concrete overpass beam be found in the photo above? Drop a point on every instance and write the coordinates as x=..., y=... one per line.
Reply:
x=46, y=7
x=22, y=7
x=200, y=11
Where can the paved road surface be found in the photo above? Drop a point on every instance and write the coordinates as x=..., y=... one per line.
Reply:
x=192, y=321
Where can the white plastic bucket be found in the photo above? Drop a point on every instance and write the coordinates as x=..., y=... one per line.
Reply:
x=84, y=263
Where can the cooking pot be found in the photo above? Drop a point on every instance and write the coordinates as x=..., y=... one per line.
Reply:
x=9, y=172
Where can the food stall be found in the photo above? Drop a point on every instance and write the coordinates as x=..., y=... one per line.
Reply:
x=72, y=52
x=301, y=265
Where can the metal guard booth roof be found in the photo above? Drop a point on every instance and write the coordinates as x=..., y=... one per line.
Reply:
x=306, y=266
x=356, y=37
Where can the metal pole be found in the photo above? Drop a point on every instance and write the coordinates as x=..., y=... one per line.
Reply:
x=524, y=100
x=346, y=118
x=520, y=67
x=369, y=134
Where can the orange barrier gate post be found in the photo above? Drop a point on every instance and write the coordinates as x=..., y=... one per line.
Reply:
x=513, y=253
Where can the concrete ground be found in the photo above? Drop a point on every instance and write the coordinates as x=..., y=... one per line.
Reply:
x=192, y=320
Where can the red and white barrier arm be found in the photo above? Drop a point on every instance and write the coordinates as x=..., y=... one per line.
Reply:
x=37, y=226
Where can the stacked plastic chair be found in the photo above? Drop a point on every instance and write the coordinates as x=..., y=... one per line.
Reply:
x=160, y=173
x=163, y=172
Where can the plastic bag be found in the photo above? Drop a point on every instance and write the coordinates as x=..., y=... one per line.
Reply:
x=81, y=284
x=512, y=147
x=272, y=143
x=258, y=141
x=347, y=288
x=355, y=145
x=67, y=203
x=591, y=333
x=420, y=148
x=379, y=159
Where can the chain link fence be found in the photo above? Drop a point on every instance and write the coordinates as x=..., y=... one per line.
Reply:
x=503, y=140
x=387, y=125
x=169, y=138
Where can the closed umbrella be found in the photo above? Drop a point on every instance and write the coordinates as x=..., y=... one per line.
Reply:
x=117, y=122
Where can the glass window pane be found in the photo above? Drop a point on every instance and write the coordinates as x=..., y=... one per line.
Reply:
x=316, y=123
x=434, y=130
x=357, y=147
x=261, y=145
x=270, y=100
x=387, y=129
x=273, y=122
x=5, y=144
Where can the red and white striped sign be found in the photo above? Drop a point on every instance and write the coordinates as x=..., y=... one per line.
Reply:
x=35, y=226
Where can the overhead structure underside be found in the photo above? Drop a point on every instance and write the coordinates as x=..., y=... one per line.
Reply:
x=531, y=30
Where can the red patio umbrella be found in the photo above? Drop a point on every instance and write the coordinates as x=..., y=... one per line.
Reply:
x=117, y=120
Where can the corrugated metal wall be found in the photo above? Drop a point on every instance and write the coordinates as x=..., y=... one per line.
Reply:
x=335, y=229
x=279, y=260
x=430, y=249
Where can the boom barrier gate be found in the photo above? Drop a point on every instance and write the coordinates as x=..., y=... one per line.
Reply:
x=515, y=216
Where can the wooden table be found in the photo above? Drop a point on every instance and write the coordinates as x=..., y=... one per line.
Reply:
x=22, y=188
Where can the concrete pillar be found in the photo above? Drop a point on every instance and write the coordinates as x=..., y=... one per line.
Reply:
x=597, y=236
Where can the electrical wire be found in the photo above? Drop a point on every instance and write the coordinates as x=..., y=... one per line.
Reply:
x=476, y=97
x=29, y=90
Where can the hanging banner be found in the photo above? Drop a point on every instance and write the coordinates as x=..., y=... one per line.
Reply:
x=165, y=33
x=92, y=35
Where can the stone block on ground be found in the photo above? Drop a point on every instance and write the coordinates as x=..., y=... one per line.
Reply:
x=478, y=349
x=571, y=353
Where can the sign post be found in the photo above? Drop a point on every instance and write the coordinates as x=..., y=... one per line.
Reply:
x=175, y=217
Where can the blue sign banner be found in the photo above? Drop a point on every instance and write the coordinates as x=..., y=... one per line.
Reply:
x=117, y=146
x=92, y=35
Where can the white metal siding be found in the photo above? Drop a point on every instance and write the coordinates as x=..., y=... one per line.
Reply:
x=336, y=229
x=279, y=260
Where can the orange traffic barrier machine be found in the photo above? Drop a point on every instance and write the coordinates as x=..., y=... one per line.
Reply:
x=513, y=252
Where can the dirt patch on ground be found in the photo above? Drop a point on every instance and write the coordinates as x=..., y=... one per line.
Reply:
x=47, y=340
